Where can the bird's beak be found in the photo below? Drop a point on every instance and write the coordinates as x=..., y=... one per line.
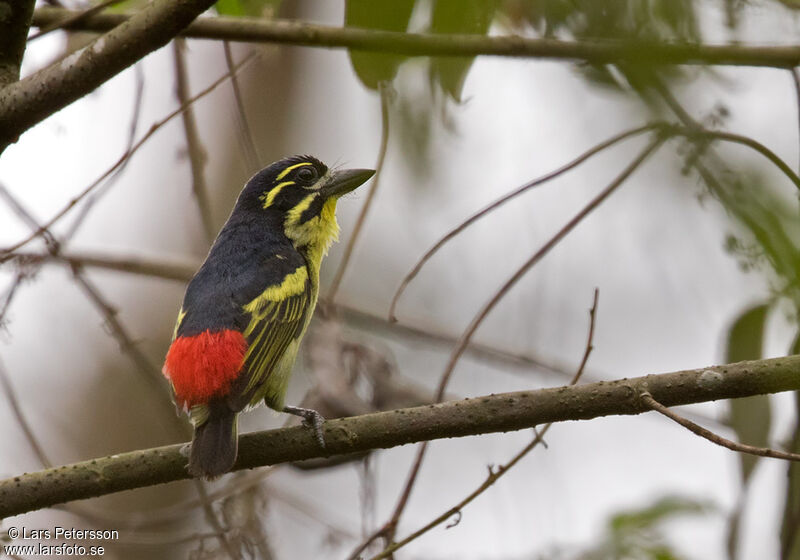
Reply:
x=344, y=181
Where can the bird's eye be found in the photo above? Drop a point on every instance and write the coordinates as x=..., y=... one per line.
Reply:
x=306, y=174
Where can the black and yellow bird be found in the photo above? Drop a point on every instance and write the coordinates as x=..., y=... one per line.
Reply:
x=247, y=308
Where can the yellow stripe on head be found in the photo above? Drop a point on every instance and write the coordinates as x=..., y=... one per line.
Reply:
x=288, y=170
x=293, y=217
x=269, y=198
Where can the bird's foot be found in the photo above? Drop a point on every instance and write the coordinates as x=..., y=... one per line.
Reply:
x=311, y=419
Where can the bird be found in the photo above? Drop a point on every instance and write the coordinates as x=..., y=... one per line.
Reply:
x=248, y=306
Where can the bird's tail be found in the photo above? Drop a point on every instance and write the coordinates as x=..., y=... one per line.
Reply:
x=215, y=442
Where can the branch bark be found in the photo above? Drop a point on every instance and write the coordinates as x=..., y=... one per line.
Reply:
x=480, y=415
x=413, y=44
x=15, y=20
x=29, y=101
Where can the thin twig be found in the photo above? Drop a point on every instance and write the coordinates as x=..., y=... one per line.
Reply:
x=385, y=92
x=26, y=217
x=491, y=478
x=246, y=139
x=127, y=344
x=13, y=402
x=506, y=198
x=94, y=198
x=194, y=146
x=466, y=336
x=8, y=296
x=211, y=518
x=648, y=399
x=73, y=19
x=578, y=218
x=5, y=253
x=29, y=101
x=495, y=474
x=691, y=130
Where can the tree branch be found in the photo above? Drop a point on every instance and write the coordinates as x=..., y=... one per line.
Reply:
x=495, y=413
x=414, y=44
x=15, y=20
x=29, y=101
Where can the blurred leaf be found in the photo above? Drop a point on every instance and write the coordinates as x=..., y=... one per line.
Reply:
x=373, y=68
x=749, y=417
x=252, y=8
x=458, y=16
x=636, y=534
x=660, y=511
x=628, y=20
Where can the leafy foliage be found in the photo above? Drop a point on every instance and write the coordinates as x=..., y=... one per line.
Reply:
x=252, y=8
x=637, y=534
x=456, y=16
x=374, y=68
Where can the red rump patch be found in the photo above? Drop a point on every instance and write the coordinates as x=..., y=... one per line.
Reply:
x=203, y=366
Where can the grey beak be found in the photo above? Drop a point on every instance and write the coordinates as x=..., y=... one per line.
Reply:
x=346, y=180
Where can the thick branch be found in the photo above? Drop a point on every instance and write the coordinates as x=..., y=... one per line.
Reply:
x=495, y=413
x=15, y=19
x=413, y=44
x=31, y=100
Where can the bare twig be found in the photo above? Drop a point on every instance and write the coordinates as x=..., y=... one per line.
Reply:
x=389, y=529
x=8, y=296
x=34, y=98
x=486, y=414
x=495, y=474
x=194, y=146
x=5, y=253
x=691, y=131
x=13, y=402
x=506, y=198
x=127, y=345
x=94, y=198
x=211, y=518
x=14, y=26
x=72, y=19
x=385, y=92
x=413, y=44
x=246, y=139
x=585, y=211
x=167, y=269
x=455, y=511
x=648, y=399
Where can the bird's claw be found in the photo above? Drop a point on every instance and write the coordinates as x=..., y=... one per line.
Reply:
x=311, y=419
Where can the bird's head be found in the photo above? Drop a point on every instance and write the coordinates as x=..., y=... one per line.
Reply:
x=303, y=192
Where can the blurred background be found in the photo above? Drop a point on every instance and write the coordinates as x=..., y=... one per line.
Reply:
x=695, y=258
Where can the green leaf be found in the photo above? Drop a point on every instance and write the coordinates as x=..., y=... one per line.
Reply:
x=251, y=8
x=638, y=533
x=659, y=511
x=373, y=68
x=749, y=417
x=458, y=16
